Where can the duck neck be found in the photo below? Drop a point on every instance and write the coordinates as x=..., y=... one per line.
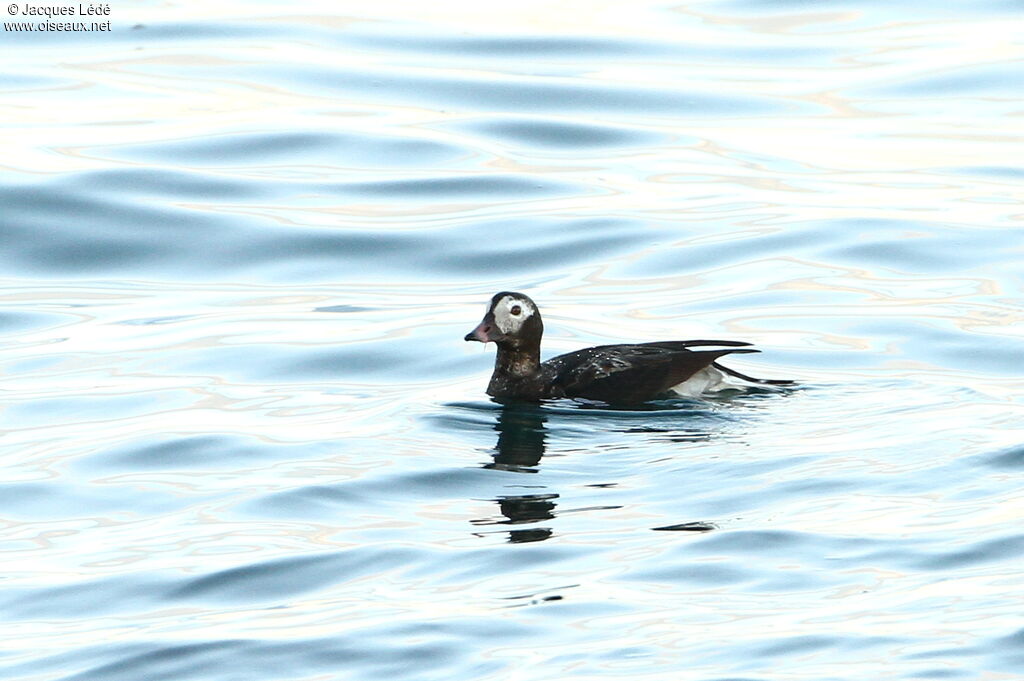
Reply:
x=517, y=361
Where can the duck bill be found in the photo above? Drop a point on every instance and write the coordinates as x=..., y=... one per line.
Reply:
x=485, y=332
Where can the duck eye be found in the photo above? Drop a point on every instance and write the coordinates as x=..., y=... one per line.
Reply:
x=516, y=310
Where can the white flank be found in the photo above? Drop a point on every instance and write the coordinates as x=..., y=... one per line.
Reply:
x=707, y=380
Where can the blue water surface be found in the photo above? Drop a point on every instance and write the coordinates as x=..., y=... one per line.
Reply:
x=243, y=437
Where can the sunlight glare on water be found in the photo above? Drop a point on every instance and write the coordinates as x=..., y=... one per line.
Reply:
x=243, y=437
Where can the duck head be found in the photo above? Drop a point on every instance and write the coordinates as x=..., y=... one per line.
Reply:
x=512, y=321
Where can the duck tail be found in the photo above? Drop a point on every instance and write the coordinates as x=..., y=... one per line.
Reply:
x=760, y=381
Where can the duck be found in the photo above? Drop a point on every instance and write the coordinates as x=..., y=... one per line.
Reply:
x=614, y=374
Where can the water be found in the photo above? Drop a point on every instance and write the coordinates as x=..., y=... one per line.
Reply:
x=243, y=437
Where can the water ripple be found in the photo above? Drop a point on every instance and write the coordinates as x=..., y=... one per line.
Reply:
x=243, y=436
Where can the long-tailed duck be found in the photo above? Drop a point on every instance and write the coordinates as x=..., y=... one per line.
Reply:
x=615, y=374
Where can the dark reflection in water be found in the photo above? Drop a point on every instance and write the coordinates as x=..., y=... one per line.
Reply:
x=527, y=508
x=521, y=438
x=522, y=442
x=673, y=434
x=523, y=509
x=687, y=527
x=520, y=447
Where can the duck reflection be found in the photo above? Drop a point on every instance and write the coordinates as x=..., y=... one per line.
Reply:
x=521, y=444
x=521, y=438
x=522, y=509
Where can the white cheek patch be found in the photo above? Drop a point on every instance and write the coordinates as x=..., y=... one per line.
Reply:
x=507, y=322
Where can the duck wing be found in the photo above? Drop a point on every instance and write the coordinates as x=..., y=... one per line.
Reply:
x=682, y=345
x=631, y=373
